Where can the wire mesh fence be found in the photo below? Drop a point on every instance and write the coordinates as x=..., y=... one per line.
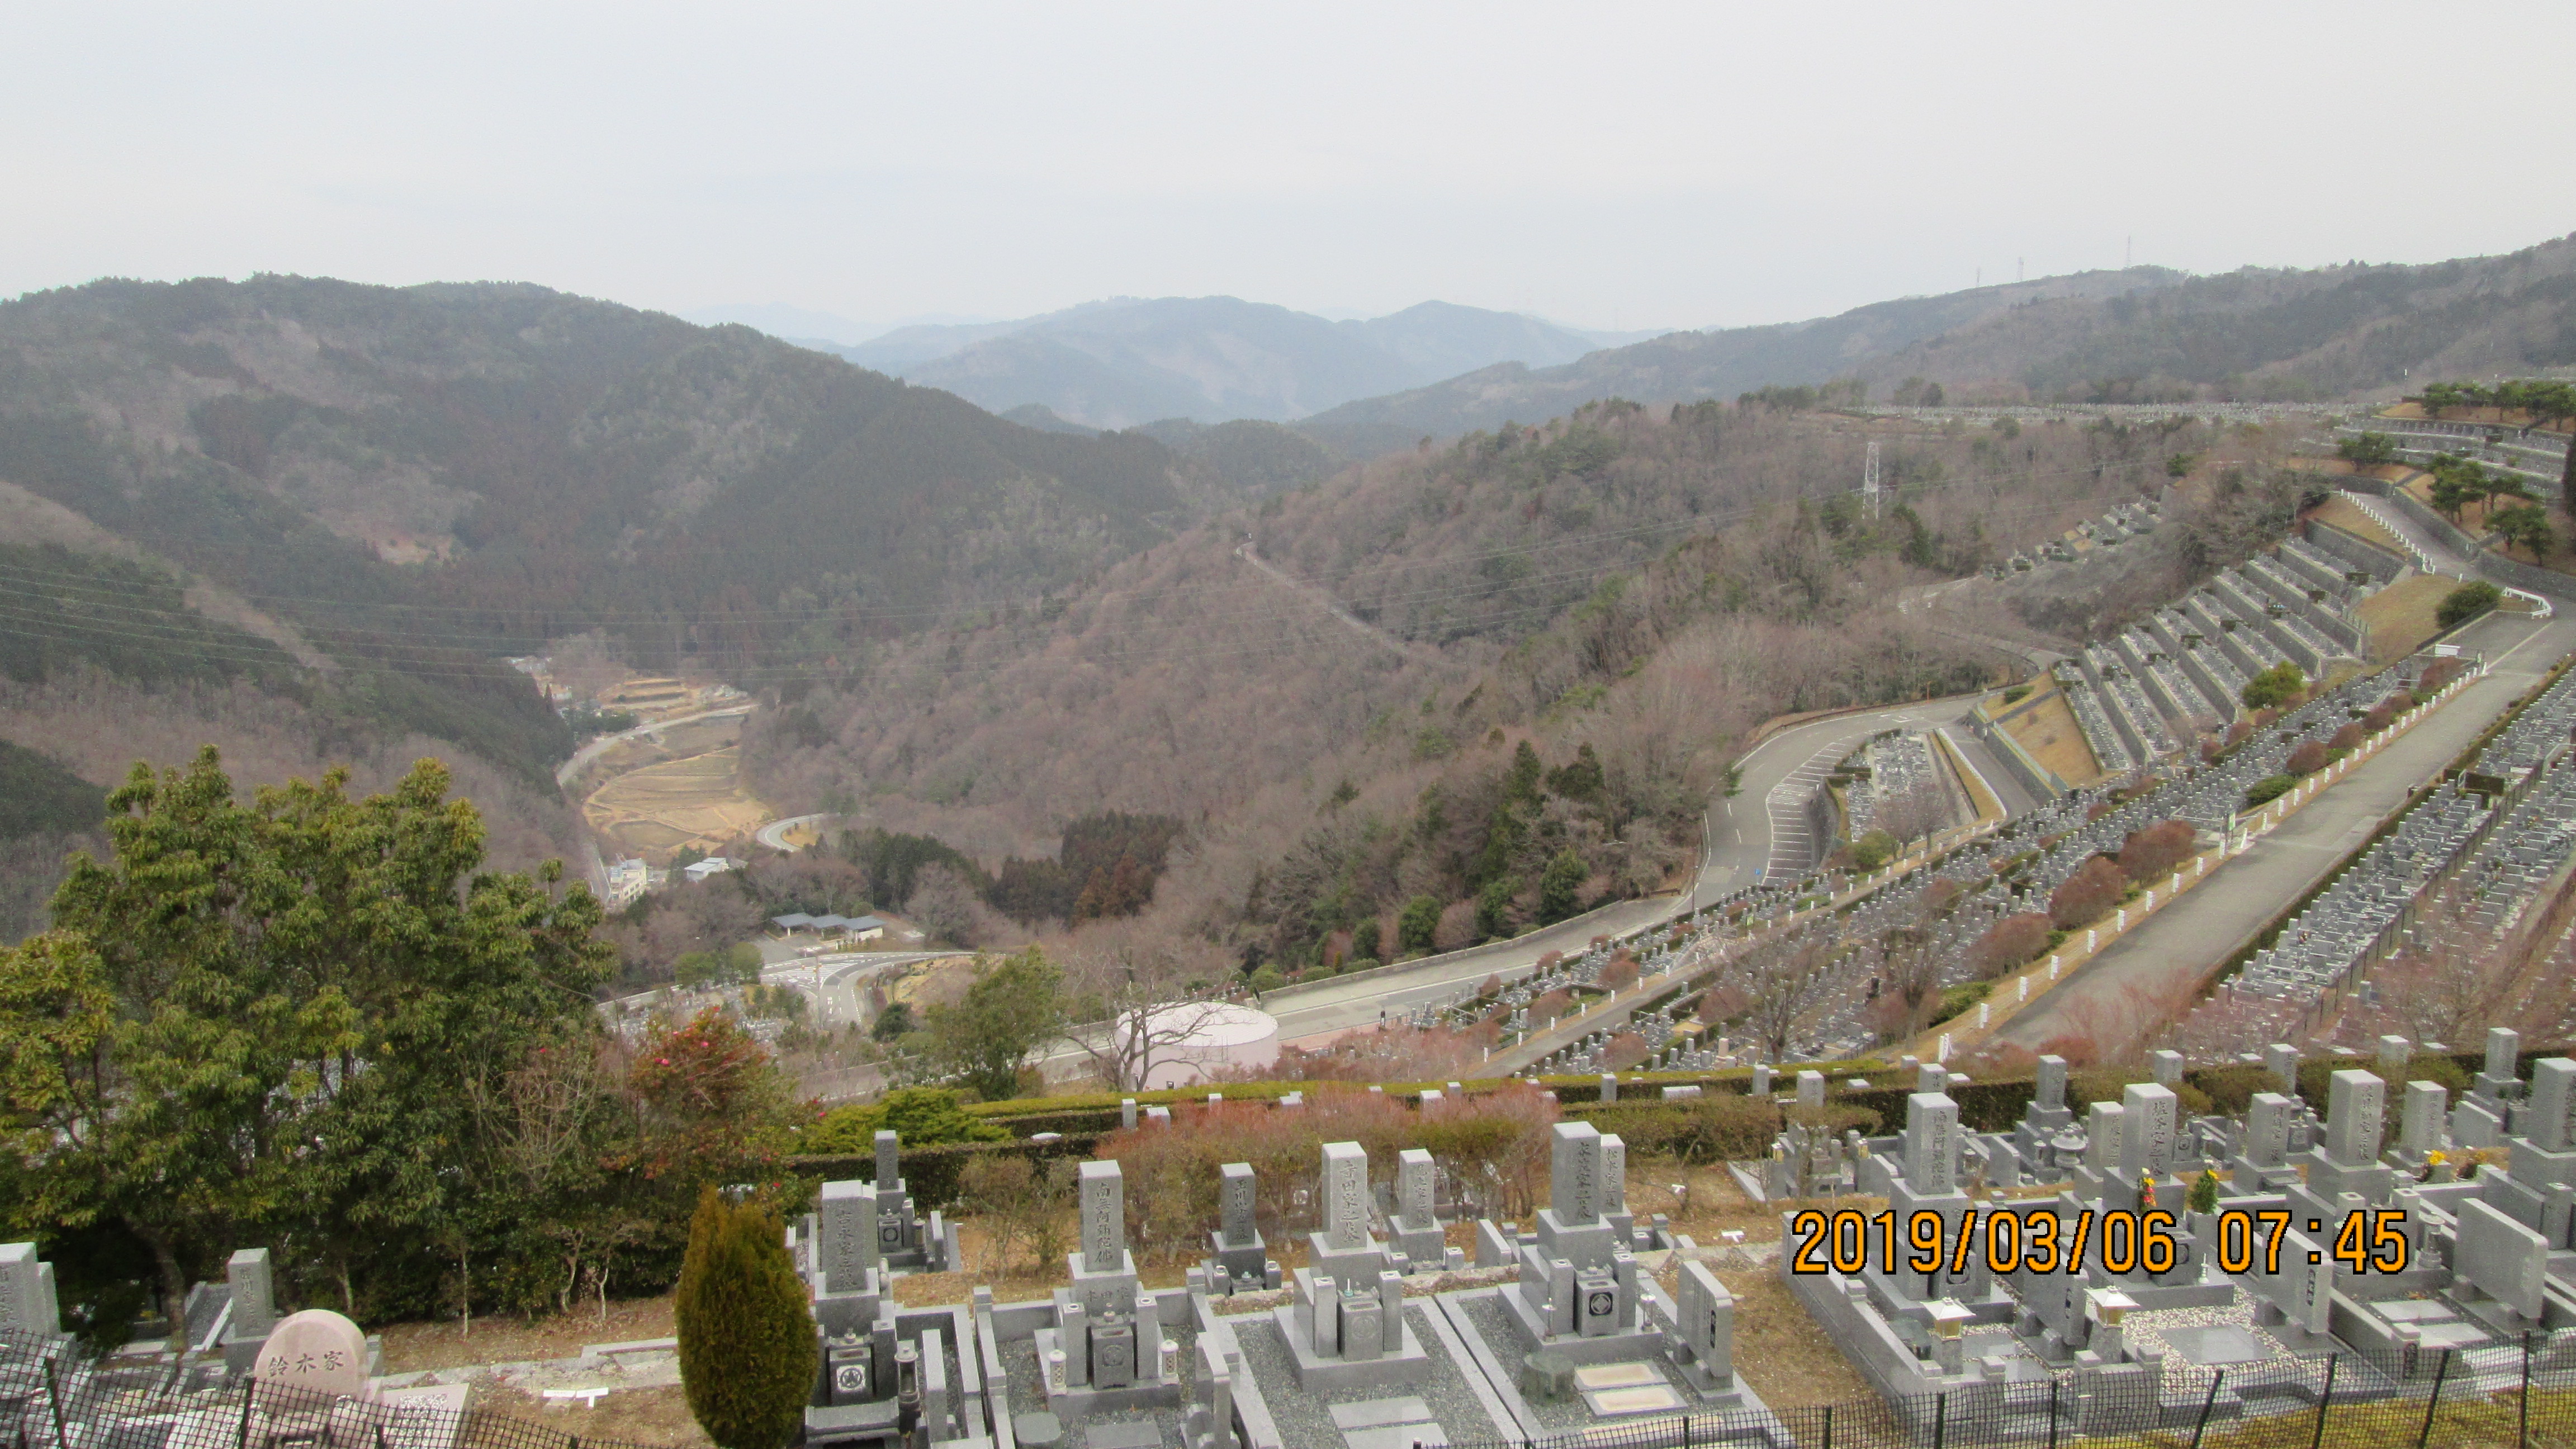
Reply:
x=51, y=1398
x=2501, y=1396
x=2496, y=1397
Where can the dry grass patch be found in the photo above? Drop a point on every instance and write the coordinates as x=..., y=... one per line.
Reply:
x=2401, y=617
x=2047, y=729
x=2341, y=512
x=506, y=1339
x=643, y=1416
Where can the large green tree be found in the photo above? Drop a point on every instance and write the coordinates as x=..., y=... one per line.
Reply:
x=1014, y=1006
x=274, y=1021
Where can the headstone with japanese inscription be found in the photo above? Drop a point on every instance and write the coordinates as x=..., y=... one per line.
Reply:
x=313, y=1356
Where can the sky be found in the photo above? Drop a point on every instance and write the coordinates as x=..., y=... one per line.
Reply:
x=1607, y=166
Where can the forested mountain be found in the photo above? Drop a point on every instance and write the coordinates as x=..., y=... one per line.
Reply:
x=304, y=519
x=1626, y=592
x=1119, y=363
x=2141, y=335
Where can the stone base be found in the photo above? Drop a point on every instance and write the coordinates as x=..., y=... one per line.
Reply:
x=1615, y=1347
x=1315, y=1371
x=1079, y=1401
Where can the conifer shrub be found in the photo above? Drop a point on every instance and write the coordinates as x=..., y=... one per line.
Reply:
x=747, y=1350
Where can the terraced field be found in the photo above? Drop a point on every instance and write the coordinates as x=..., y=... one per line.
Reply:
x=659, y=794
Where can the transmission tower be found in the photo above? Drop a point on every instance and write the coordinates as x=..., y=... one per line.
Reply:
x=1869, y=481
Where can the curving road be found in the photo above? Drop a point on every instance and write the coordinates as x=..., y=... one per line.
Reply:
x=1756, y=833
x=592, y=751
x=774, y=834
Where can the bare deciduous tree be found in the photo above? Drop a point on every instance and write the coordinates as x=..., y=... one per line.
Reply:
x=1141, y=992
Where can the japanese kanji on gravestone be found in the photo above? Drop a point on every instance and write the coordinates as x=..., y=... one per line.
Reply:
x=849, y=1228
x=1931, y=1144
x=1346, y=1196
x=1103, y=1206
x=318, y=1352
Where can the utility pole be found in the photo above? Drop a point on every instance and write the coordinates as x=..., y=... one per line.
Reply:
x=1869, y=480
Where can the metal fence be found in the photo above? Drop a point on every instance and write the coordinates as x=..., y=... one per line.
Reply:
x=51, y=1398
x=2502, y=1396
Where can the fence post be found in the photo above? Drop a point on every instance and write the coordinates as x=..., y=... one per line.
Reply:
x=1941, y=1421
x=1829, y=1427
x=2433, y=1401
x=54, y=1401
x=2052, y=1414
x=2522, y=1410
x=2215, y=1379
x=2325, y=1399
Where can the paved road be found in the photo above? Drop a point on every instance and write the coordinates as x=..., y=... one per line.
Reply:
x=774, y=834
x=1751, y=836
x=2142, y=973
x=840, y=976
x=589, y=752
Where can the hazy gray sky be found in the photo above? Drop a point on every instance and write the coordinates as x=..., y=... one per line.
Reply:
x=1601, y=164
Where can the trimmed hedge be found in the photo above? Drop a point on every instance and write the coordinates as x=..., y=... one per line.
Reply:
x=1727, y=1125
x=931, y=1174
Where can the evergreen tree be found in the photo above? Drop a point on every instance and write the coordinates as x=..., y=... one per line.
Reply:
x=747, y=1348
x=1560, y=887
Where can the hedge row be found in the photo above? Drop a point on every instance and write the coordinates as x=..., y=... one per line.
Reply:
x=1727, y=1125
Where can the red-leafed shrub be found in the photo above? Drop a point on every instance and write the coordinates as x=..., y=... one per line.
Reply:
x=2348, y=738
x=2011, y=942
x=2151, y=853
x=2089, y=894
x=2307, y=759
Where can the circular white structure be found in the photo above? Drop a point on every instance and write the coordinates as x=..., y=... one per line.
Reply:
x=1220, y=1035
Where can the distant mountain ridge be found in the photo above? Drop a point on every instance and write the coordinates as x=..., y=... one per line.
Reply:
x=1126, y=361
x=2143, y=334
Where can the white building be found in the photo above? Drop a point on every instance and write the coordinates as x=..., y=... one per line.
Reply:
x=628, y=880
x=1220, y=1035
x=712, y=865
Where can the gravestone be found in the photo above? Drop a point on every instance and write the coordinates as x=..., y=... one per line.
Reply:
x=2102, y=1140
x=2348, y=1162
x=1762, y=1079
x=1241, y=1257
x=1104, y=1218
x=27, y=1292
x=1127, y=1113
x=1417, y=1227
x=2394, y=1052
x=1574, y=1173
x=848, y=1218
x=254, y=1295
x=2266, y=1144
x=2502, y=1258
x=1931, y=1144
x=2544, y=1113
x=2149, y=1117
x=2419, y=1124
x=2355, y=1105
x=1345, y=1197
x=1811, y=1089
x=316, y=1353
x=2502, y=1076
x=2282, y=1060
x=2166, y=1066
x=1705, y=1312
x=254, y=1307
x=2049, y=1091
